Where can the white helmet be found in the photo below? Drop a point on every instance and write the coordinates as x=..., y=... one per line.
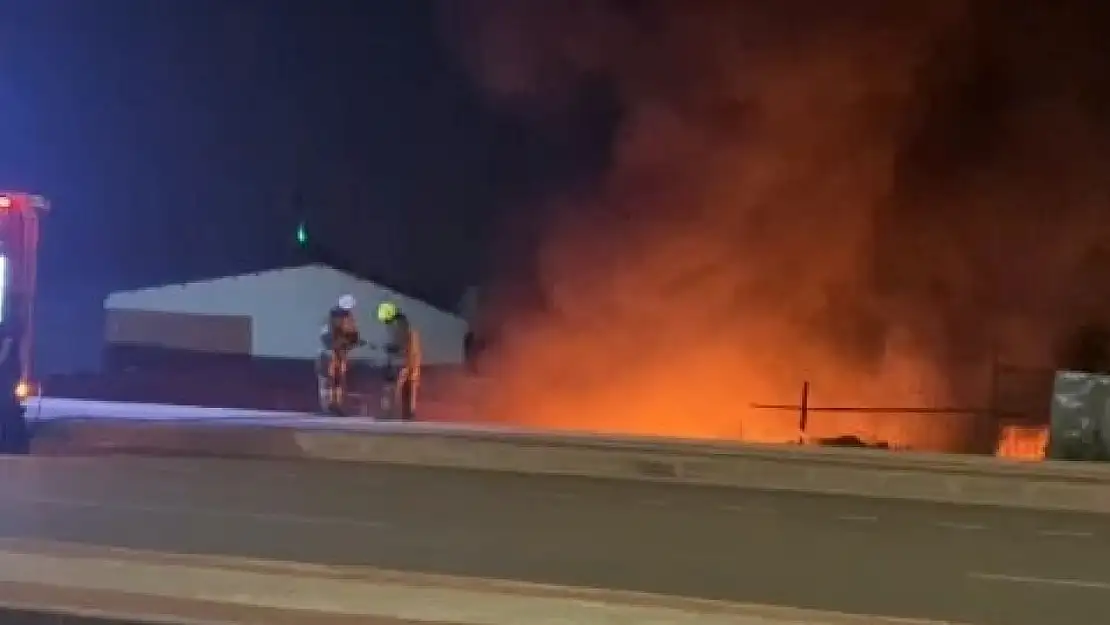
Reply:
x=347, y=302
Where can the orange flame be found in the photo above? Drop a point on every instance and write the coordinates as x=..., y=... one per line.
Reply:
x=1019, y=442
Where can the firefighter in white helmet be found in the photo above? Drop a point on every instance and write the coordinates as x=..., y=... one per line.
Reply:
x=402, y=366
x=338, y=338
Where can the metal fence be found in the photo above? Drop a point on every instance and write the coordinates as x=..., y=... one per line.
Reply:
x=1015, y=395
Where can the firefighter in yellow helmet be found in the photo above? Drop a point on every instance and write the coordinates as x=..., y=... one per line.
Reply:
x=402, y=366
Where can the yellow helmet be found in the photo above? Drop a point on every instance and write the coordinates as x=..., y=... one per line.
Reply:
x=387, y=311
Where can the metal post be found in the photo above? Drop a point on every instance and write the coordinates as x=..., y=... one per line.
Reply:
x=803, y=413
x=996, y=408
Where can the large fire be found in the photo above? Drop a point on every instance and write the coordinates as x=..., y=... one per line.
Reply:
x=697, y=390
x=797, y=191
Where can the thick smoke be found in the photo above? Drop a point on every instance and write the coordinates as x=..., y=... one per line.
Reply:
x=878, y=197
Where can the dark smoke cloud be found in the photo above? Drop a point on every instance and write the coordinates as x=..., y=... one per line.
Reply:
x=876, y=196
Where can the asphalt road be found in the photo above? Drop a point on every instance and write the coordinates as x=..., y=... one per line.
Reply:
x=976, y=565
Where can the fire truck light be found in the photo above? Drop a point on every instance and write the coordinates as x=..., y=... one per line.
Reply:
x=3, y=284
x=5, y=202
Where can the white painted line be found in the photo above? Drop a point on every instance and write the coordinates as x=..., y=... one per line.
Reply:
x=966, y=527
x=1044, y=581
x=1066, y=533
x=858, y=518
x=266, y=517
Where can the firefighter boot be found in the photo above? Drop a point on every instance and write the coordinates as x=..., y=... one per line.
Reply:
x=405, y=395
x=339, y=387
x=331, y=396
x=388, y=404
x=323, y=390
x=338, y=395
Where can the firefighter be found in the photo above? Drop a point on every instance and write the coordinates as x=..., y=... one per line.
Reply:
x=402, y=366
x=338, y=337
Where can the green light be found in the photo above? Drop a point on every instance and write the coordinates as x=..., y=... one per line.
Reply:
x=302, y=234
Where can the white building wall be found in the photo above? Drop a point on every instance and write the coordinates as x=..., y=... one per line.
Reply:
x=288, y=307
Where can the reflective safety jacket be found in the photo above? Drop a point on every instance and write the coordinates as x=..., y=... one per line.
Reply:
x=403, y=344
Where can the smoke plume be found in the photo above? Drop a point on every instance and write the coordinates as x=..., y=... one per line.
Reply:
x=878, y=197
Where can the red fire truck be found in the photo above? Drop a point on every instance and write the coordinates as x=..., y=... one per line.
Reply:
x=19, y=248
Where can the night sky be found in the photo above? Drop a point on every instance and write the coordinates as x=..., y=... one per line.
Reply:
x=185, y=140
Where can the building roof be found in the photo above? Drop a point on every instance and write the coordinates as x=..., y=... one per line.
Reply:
x=291, y=271
x=440, y=301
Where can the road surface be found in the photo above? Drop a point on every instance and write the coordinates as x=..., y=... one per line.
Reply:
x=975, y=565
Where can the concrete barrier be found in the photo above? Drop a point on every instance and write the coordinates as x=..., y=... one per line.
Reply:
x=134, y=587
x=42, y=616
x=868, y=473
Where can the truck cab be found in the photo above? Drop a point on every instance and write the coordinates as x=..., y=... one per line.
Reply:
x=20, y=213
